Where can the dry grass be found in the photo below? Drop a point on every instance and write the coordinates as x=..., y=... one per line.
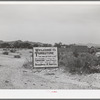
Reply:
x=27, y=64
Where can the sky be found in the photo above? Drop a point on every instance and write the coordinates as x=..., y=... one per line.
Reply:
x=50, y=23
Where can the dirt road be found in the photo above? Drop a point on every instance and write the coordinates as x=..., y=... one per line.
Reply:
x=14, y=76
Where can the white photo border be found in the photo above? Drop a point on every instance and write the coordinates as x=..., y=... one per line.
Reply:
x=46, y=93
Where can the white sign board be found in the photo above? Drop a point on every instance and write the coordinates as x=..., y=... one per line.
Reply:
x=45, y=57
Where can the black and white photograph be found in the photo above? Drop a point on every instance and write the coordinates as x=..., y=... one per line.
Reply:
x=50, y=46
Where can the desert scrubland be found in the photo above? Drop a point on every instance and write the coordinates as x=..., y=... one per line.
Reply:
x=18, y=73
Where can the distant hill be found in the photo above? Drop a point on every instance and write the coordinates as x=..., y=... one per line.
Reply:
x=90, y=45
x=22, y=44
x=25, y=44
x=1, y=41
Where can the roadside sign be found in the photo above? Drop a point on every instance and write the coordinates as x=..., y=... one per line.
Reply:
x=45, y=57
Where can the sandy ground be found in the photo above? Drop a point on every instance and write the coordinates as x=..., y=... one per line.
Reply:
x=14, y=76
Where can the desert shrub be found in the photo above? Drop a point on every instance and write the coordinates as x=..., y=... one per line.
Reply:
x=5, y=53
x=98, y=60
x=64, y=58
x=86, y=62
x=61, y=63
x=75, y=53
x=17, y=56
x=4, y=49
x=72, y=64
x=5, y=45
x=28, y=65
x=30, y=52
x=92, y=50
x=80, y=64
x=12, y=51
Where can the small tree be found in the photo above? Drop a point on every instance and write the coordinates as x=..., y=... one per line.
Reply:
x=92, y=50
x=36, y=45
x=58, y=44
